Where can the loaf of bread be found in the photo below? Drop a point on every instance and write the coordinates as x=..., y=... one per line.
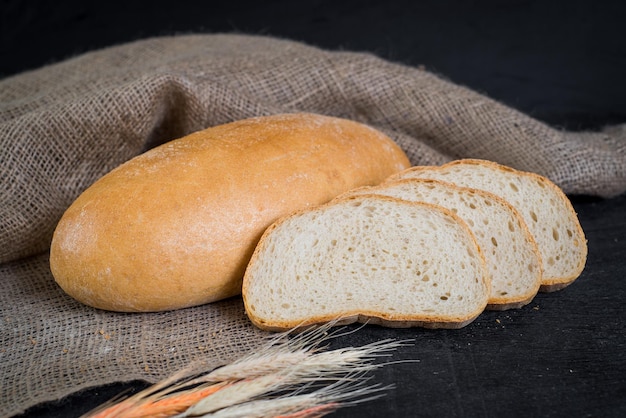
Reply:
x=367, y=258
x=176, y=226
x=547, y=211
x=513, y=261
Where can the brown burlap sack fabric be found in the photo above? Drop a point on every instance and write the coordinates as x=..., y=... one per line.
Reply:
x=67, y=124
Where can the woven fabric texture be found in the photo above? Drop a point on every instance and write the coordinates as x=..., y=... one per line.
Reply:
x=65, y=125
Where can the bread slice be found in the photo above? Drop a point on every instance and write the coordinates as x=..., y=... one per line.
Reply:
x=367, y=258
x=512, y=257
x=545, y=208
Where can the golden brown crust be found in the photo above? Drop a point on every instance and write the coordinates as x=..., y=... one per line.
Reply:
x=362, y=318
x=176, y=226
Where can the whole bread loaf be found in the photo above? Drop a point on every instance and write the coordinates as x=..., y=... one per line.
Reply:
x=511, y=253
x=547, y=211
x=367, y=258
x=176, y=226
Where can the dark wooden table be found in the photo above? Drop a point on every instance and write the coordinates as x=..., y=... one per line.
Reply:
x=563, y=355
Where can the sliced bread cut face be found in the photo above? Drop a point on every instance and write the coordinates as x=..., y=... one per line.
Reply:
x=370, y=259
x=547, y=211
x=510, y=251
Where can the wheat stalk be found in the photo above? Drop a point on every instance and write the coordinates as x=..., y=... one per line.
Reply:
x=345, y=392
x=283, y=375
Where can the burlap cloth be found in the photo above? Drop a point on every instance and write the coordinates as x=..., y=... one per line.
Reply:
x=65, y=125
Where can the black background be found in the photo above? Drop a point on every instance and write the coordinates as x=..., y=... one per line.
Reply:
x=563, y=62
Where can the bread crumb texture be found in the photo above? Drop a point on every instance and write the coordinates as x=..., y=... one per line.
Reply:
x=545, y=209
x=367, y=257
x=512, y=257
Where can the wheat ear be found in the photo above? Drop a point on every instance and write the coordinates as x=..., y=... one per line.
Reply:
x=283, y=372
x=345, y=392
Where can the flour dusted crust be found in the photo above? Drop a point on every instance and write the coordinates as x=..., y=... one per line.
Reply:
x=176, y=226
